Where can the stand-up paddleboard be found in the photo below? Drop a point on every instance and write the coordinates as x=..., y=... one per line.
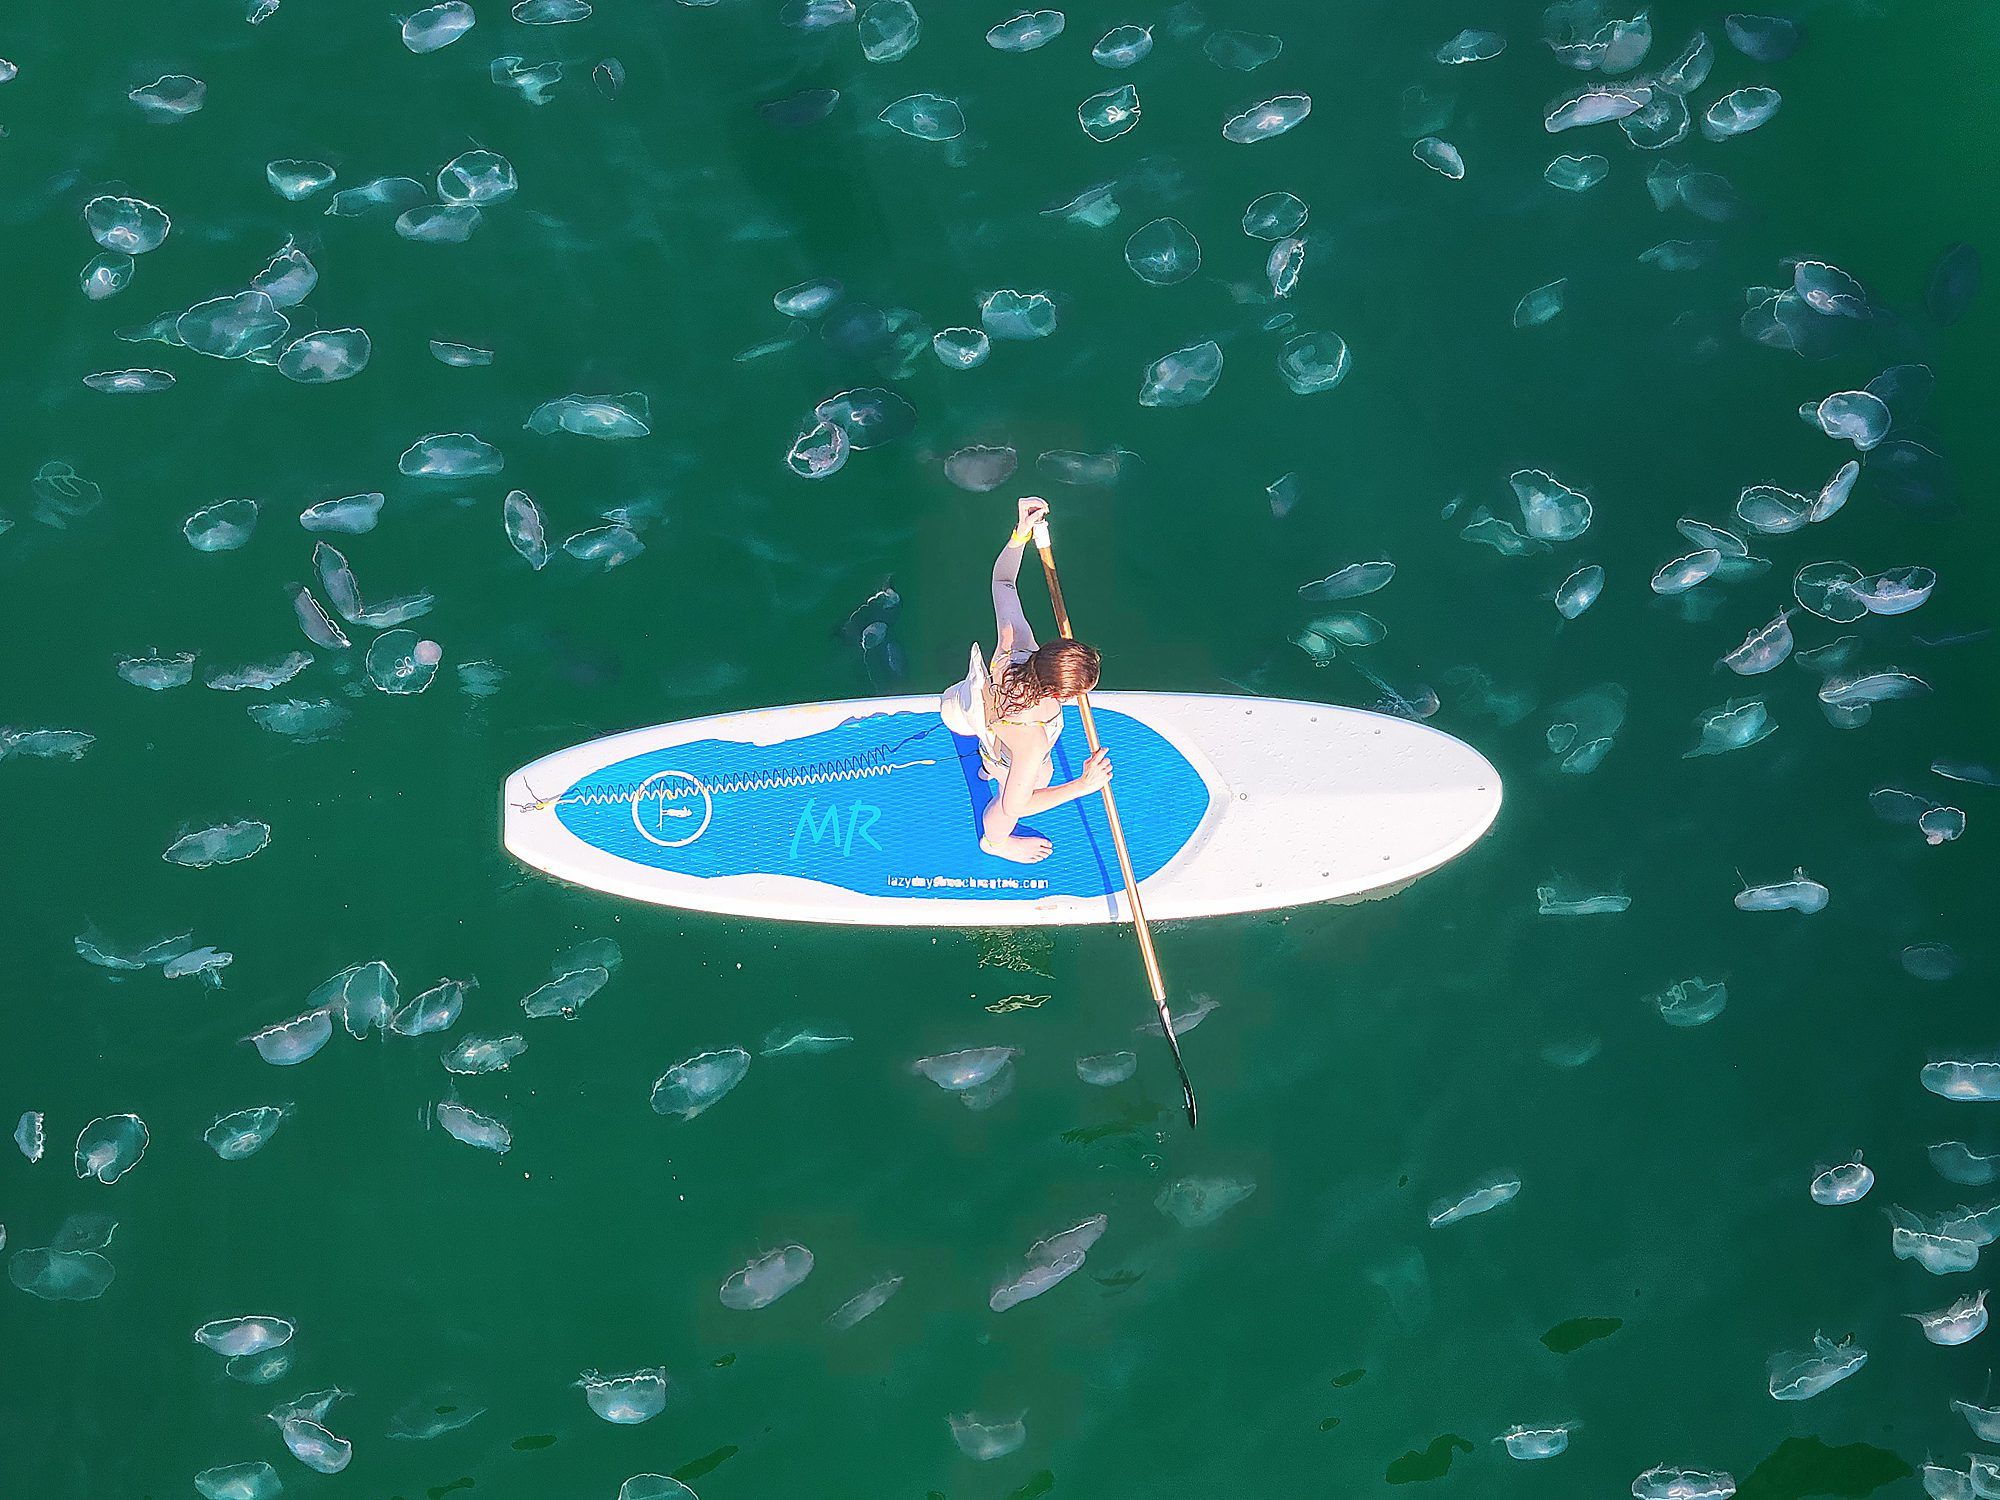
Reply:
x=868, y=812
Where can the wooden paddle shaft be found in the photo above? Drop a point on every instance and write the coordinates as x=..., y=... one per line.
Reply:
x=1110, y=804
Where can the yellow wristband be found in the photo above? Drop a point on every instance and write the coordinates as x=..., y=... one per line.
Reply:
x=1019, y=539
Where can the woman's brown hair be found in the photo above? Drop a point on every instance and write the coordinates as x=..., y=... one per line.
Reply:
x=1059, y=669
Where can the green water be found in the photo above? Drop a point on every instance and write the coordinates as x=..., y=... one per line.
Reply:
x=1361, y=1064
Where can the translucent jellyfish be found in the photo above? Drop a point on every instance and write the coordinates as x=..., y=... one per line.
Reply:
x=377, y=194
x=473, y=1128
x=1287, y=260
x=1565, y=898
x=627, y=415
x=250, y=1334
x=1163, y=252
x=1550, y=509
x=297, y=180
x=1734, y=726
x=1931, y=1244
x=222, y=527
x=480, y=679
x=873, y=416
x=864, y=1303
x=1310, y=362
x=1196, y=1202
x=251, y=1481
x=1541, y=304
x=1662, y=121
x=303, y=720
x=350, y=514
x=983, y=1437
x=551, y=12
x=450, y=455
x=809, y=299
x=1847, y=1182
x=565, y=994
x=1275, y=216
x=1122, y=46
x=1833, y=495
x=524, y=528
x=1440, y=156
x=1536, y=1442
x=1831, y=591
x=1183, y=377
x=654, y=1487
x=1026, y=32
x=173, y=96
x=61, y=1275
x=288, y=278
x=819, y=451
x=1576, y=174
x=1351, y=582
x=688, y=1088
x=1502, y=536
x=1260, y=122
x=129, y=382
x=532, y=81
x=1579, y=591
x=1038, y=1278
x=927, y=117
x=459, y=356
x=1763, y=648
x=961, y=348
x=807, y=1041
x=232, y=327
x=957, y=1071
x=609, y=545
x=1762, y=38
x=127, y=226
x=478, y=177
x=1241, y=51
x=398, y=662
x=323, y=357
x=1932, y=962
x=437, y=26
x=433, y=1010
x=1107, y=1068
x=223, y=844
x=1739, y=113
x=1857, y=416
x=1801, y=894
x=1471, y=46
x=1483, y=1199
x=1683, y=573
x=1008, y=314
x=1106, y=116
x=1829, y=290
x=1066, y=466
x=1959, y=1323
x=484, y=1054
x=291, y=1042
x=315, y=1447
x=1692, y=1002
x=29, y=1135
x=110, y=1146
x=1964, y=1078
x=106, y=275
x=439, y=223
x=1597, y=106
x=1872, y=687
x=767, y=1278
x=1667, y=1483
x=1800, y=1374
x=980, y=469
x=888, y=30
x=245, y=1132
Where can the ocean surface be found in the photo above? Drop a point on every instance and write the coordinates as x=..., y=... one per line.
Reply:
x=1269, y=1309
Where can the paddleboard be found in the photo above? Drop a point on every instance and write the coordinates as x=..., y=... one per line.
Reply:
x=868, y=812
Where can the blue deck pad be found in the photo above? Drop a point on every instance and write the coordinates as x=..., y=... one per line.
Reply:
x=824, y=808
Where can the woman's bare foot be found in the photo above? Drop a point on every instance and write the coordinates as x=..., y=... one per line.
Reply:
x=1023, y=850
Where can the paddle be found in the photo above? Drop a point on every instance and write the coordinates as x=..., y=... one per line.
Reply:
x=1118, y=835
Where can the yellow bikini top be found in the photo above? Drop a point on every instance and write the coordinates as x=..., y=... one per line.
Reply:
x=1001, y=661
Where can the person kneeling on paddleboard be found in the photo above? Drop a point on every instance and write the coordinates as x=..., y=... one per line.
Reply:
x=1013, y=707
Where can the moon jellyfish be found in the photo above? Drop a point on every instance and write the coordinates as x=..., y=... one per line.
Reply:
x=251, y=1334
x=350, y=514
x=1275, y=216
x=961, y=348
x=688, y=1088
x=1550, y=509
x=437, y=26
x=173, y=96
x=1764, y=648
x=873, y=416
x=439, y=223
x=251, y=1481
x=1739, y=113
x=299, y=719
x=222, y=527
x=1241, y=51
x=1874, y=687
x=1734, y=726
x=1829, y=290
x=551, y=12
x=818, y=452
x=473, y=1128
x=1848, y=1182
x=1122, y=46
x=955, y=1072
x=1471, y=46
x=1536, y=1442
x=484, y=1054
x=324, y=357
x=532, y=81
x=1036, y=1279
x=1311, y=362
x=450, y=455
x=1974, y=1079
x=399, y=663
x=807, y=1041
x=864, y=1303
x=983, y=1438
x=979, y=469
x=106, y=275
x=1351, y=582
x=232, y=327
x=1026, y=32
x=291, y=1042
x=1543, y=303
x=1196, y=1202
x=434, y=1010
x=1831, y=591
x=29, y=1135
x=1801, y=1374
x=110, y=1147
x=1856, y=416
x=1897, y=591
x=888, y=30
x=1932, y=962
x=767, y=1278
x=223, y=844
x=523, y=522
x=364, y=996
x=1762, y=38
x=1579, y=591
x=1106, y=116
x=1801, y=894
x=654, y=1487
x=1960, y=1323
x=1930, y=1244
x=1107, y=1068
x=1184, y=377
x=129, y=382
x=1008, y=314
x=1667, y=1483
x=1683, y=573
x=481, y=177
x=1502, y=536
x=1273, y=117
x=297, y=180
x=1985, y=1424
x=565, y=994
x=1576, y=174
x=1833, y=495
x=1440, y=156
x=1596, y=106
x=245, y=1132
x=1480, y=1200
x=1287, y=260
x=315, y=1447
x=927, y=117
x=1692, y=1002
x=1163, y=252
x=61, y=1275
x=809, y=298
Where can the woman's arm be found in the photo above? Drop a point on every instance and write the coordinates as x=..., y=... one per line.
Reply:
x=1011, y=626
x=1020, y=797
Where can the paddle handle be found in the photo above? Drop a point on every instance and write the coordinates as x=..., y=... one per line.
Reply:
x=1133, y=903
